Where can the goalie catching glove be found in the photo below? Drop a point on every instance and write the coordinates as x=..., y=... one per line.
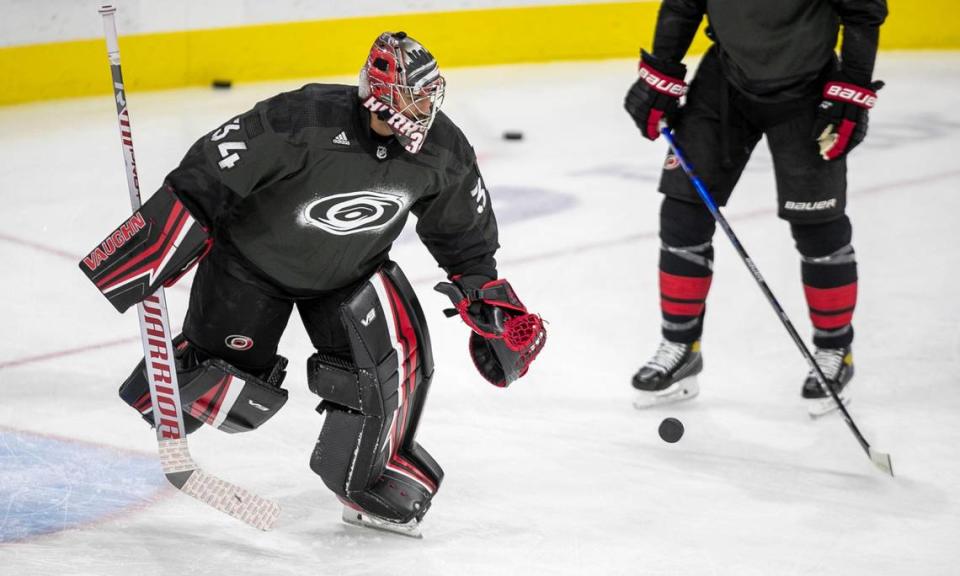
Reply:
x=506, y=338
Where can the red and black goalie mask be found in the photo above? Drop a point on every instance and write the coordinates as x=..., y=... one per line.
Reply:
x=401, y=83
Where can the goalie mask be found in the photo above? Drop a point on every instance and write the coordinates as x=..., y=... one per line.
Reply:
x=401, y=83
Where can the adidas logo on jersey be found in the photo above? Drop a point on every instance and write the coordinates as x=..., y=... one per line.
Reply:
x=341, y=139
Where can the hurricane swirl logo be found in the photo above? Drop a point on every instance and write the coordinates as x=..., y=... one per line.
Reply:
x=239, y=342
x=353, y=212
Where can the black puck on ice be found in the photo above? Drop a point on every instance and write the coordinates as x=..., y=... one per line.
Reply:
x=513, y=135
x=221, y=84
x=671, y=430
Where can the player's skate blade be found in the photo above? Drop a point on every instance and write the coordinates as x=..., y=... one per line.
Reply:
x=355, y=517
x=681, y=390
x=821, y=407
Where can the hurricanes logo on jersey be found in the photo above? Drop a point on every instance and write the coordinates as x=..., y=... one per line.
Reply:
x=353, y=212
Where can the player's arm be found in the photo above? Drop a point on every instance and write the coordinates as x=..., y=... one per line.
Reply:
x=458, y=225
x=232, y=162
x=850, y=93
x=655, y=96
x=861, y=21
x=677, y=24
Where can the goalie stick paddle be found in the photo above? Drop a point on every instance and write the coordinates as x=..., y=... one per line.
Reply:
x=880, y=460
x=178, y=465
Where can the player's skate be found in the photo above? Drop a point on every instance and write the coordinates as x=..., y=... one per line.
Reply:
x=670, y=376
x=358, y=517
x=837, y=367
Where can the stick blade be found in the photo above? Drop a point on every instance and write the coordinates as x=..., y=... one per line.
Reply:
x=881, y=460
x=186, y=476
x=228, y=498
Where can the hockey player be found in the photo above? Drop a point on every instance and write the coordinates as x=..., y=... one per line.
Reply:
x=772, y=71
x=296, y=204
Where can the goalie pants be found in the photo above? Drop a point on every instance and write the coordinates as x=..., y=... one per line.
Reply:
x=718, y=128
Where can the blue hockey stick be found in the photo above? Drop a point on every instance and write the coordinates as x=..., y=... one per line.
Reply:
x=880, y=459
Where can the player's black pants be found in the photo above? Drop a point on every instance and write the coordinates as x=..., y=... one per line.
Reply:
x=237, y=316
x=718, y=128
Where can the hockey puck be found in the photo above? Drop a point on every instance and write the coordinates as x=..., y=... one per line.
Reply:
x=221, y=84
x=671, y=430
x=513, y=135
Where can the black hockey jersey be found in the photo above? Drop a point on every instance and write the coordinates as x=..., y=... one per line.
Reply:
x=776, y=49
x=313, y=200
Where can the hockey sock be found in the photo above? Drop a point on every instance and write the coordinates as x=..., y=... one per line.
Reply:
x=829, y=274
x=685, y=276
x=686, y=268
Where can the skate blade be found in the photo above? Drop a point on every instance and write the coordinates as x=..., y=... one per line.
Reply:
x=353, y=517
x=686, y=389
x=820, y=407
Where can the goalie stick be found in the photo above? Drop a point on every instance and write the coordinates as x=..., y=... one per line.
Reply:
x=880, y=459
x=178, y=465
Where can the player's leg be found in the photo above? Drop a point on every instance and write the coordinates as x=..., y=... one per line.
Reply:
x=227, y=363
x=374, y=389
x=812, y=197
x=719, y=138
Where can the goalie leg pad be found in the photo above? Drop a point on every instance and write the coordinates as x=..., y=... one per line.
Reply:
x=213, y=392
x=366, y=452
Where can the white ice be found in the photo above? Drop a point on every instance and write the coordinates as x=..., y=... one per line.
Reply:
x=558, y=474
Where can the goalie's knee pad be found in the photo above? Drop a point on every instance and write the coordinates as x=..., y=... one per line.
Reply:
x=366, y=452
x=213, y=392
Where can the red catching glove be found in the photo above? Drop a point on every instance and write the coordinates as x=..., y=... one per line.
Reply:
x=844, y=113
x=655, y=95
x=506, y=338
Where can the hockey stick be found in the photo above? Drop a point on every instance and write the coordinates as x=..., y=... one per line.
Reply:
x=880, y=459
x=178, y=465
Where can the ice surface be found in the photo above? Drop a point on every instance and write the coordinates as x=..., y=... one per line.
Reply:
x=558, y=474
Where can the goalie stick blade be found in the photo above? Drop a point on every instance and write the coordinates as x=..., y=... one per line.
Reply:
x=228, y=498
x=881, y=460
x=358, y=518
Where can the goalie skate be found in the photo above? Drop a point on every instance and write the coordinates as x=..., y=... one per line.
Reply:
x=363, y=519
x=670, y=376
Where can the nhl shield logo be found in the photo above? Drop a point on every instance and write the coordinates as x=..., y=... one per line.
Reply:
x=353, y=212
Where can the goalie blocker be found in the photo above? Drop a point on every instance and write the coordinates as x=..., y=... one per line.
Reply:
x=154, y=247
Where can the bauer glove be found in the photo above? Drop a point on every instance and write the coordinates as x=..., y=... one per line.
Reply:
x=505, y=338
x=655, y=96
x=842, y=119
